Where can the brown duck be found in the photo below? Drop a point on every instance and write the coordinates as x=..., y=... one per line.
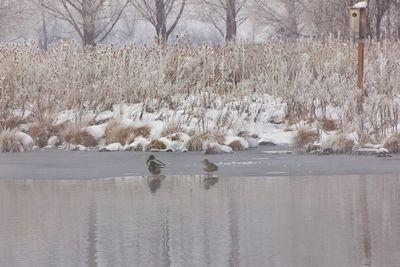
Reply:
x=209, y=167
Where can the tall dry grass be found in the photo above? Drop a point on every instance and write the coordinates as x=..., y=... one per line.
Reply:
x=308, y=75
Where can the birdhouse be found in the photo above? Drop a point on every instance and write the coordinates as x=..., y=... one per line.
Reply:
x=358, y=21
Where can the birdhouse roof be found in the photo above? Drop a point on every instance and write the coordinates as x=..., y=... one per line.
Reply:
x=362, y=4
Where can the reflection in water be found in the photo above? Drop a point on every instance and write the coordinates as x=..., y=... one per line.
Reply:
x=310, y=221
x=209, y=182
x=154, y=182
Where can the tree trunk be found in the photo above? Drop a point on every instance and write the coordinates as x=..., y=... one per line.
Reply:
x=161, y=27
x=45, y=41
x=88, y=24
x=378, y=28
x=231, y=26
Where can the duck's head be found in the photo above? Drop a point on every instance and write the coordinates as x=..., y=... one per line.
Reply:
x=205, y=161
x=151, y=157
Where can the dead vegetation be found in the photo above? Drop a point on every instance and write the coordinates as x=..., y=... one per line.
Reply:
x=231, y=72
x=117, y=133
x=155, y=144
x=196, y=142
x=75, y=135
x=304, y=137
x=10, y=142
x=340, y=144
x=393, y=143
x=237, y=145
x=328, y=124
x=171, y=128
x=42, y=131
x=11, y=123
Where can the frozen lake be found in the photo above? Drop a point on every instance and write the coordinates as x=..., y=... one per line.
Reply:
x=188, y=221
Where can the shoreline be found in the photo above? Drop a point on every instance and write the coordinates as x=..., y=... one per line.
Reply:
x=257, y=162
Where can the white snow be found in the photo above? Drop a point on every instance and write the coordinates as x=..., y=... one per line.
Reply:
x=177, y=146
x=104, y=116
x=372, y=146
x=79, y=148
x=251, y=141
x=276, y=136
x=53, y=141
x=373, y=150
x=166, y=141
x=66, y=115
x=112, y=147
x=214, y=148
x=361, y=4
x=97, y=131
x=139, y=142
x=26, y=139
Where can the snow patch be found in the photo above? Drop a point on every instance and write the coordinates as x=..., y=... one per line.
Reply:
x=26, y=139
x=112, y=147
x=53, y=141
x=97, y=131
x=362, y=4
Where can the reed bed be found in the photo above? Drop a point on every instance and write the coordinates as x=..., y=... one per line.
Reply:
x=310, y=76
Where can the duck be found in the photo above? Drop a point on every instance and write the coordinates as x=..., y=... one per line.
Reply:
x=154, y=165
x=209, y=167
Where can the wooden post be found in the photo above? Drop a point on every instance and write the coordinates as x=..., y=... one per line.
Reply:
x=358, y=32
x=360, y=76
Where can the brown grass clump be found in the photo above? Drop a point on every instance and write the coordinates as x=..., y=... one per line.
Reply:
x=340, y=144
x=393, y=143
x=305, y=137
x=42, y=131
x=10, y=123
x=174, y=137
x=328, y=124
x=142, y=131
x=196, y=142
x=237, y=146
x=76, y=136
x=10, y=142
x=156, y=144
x=171, y=128
x=117, y=133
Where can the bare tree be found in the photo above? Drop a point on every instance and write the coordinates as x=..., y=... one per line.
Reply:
x=93, y=20
x=395, y=10
x=225, y=15
x=283, y=16
x=158, y=12
x=377, y=11
x=11, y=11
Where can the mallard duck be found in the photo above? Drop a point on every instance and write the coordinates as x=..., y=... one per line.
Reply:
x=209, y=167
x=154, y=165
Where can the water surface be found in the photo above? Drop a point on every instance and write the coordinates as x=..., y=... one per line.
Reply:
x=190, y=221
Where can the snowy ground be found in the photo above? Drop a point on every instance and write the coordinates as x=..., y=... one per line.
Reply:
x=262, y=121
x=261, y=161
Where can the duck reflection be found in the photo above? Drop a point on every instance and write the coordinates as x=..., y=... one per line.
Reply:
x=209, y=182
x=154, y=182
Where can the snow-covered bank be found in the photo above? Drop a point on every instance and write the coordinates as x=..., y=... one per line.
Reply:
x=217, y=130
x=179, y=98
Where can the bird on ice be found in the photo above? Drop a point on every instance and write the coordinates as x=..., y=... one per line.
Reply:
x=154, y=165
x=209, y=167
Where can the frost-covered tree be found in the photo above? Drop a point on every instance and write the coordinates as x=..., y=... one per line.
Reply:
x=378, y=9
x=225, y=15
x=283, y=16
x=10, y=12
x=164, y=15
x=93, y=20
